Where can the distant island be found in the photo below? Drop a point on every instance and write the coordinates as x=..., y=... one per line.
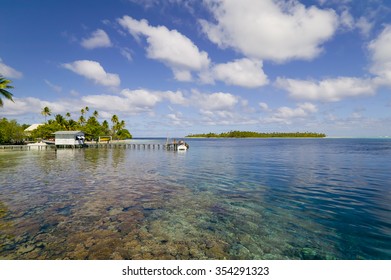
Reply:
x=251, y=134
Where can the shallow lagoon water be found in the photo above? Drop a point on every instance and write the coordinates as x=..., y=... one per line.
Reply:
x=222, y=199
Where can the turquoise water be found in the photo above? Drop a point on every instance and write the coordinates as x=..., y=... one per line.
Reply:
x=222, y=199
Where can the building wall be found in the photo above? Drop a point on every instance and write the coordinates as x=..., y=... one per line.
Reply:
x=67, y=139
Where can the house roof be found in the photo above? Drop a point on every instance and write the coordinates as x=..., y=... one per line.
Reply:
x=67, y=132
x=33, y=127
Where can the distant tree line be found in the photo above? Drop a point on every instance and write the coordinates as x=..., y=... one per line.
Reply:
x=13, y=133
x=251, y=134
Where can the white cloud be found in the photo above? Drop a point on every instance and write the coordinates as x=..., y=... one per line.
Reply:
x=302, y=110
x=94, y=71
x=133, y=101
x=127, y=53
x=330, y=90
x=168, y=46
x=74, y=93
x=381, y=56
x=347, y=20
x=177, y=119
x=241, y=72
x=128, y=101
x=98, y=39
x=364, y=25
x=336, y=89
x=287, y=115
x=264, y=106
x=273, y=30
x=29, y=105
x=182, y=75
x=218, y=101
x=220, y=108
x=54, y=87
x=175, y=97
x=8, y=71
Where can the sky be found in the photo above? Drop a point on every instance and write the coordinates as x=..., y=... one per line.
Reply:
x=176, y=67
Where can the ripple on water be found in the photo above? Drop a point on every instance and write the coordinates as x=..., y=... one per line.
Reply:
x=272, y=200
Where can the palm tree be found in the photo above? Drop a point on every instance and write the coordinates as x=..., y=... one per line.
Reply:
x=114, y=119
x=4, y=85
x=105, y=126
x=95, y=114
x=61, y=120
x=82, y=120
x=46, y=112
x=121, y=125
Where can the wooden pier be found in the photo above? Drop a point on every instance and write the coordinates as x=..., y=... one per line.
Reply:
x=27, y=148
x=125, y=146
x=134, y=146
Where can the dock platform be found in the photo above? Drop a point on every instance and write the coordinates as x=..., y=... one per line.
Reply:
x=135, y=146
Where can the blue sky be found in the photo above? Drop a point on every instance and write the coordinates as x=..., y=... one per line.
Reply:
x=190, y=66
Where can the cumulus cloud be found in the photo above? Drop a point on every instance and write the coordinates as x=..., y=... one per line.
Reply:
x=329, y=90
x=218, y=101
x=127, y=101
x=174, y=97
x=8, y=71
x=287, y=115
x=133, y=101
x=94, y=71
x=273, y=30
x=98, y=39
x=33, y=105
x=168, y=46
x=241, y=72
x=178, y=119
x=336, y=89
x=381, y=56
x=302, y=110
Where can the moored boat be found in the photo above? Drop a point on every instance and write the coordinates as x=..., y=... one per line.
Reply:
x=182, y=146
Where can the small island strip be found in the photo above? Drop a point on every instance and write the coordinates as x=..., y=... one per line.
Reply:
x=251, y=134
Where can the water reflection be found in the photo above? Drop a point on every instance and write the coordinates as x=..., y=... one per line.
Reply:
x=272, y=200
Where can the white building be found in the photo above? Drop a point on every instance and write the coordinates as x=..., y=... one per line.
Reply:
x=69, y=138
x=32, y=127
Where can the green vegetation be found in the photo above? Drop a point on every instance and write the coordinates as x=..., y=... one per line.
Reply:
x=13, y=133
x=46, y=112
x=250, y=134
x=4, y=85
x=88, y=124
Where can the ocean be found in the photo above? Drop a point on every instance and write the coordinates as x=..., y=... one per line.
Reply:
x=249, y=199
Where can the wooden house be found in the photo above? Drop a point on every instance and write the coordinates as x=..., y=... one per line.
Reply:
x=66, y=138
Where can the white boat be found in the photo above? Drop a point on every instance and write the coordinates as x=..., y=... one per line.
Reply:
x=182, y=147
x=48, y=142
